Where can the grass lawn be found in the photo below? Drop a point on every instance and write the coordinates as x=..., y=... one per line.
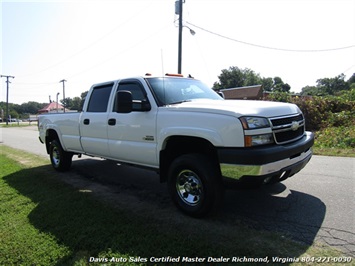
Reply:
x=335, y=141
x=44, y=221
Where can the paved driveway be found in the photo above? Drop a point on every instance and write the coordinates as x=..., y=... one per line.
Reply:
x=315, y=204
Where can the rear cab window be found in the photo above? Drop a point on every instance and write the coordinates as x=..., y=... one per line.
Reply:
x=99, y=98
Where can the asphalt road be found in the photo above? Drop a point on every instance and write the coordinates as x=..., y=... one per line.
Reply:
x=315, y=204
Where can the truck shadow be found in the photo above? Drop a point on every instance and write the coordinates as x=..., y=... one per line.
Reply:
x=277, y=208
x=139, y=193
x=272, y=207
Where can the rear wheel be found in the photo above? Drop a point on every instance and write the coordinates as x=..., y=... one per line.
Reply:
x=60, y=159
x=195, y=184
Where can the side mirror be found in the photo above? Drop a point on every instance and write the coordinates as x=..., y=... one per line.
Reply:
x=221, y=94
x=145, y=105
x=124, y=102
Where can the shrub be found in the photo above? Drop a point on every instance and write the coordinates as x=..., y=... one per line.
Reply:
x=336, y=137
x=322, y=112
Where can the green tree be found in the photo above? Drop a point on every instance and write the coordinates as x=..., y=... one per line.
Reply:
x=83, y=96
x=236, y=77
x=280, y=86
x=31, y=107
x=329, y=86
x=76, y=103
x=351, y=80
x=67, y=103
x=311, y=90
x=267, y=83
x=14, y=114
x=13, y=110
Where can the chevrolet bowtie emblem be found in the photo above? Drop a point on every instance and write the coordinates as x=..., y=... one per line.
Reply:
x=295, y=125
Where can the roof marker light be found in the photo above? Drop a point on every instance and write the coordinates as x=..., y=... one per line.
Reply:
x=174, y=75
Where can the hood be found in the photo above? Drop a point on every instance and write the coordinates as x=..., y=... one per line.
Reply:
x=237, y=108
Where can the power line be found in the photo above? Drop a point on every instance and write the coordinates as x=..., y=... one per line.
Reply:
x=269, y=47
x=93, y=42
x=348, y=69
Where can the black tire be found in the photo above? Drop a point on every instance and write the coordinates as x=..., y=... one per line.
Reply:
x=195, y=185
x=60, y=159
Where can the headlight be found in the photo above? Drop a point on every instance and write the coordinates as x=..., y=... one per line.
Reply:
x=254, y=140
x=252, y=122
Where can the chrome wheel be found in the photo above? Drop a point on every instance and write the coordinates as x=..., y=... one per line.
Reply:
x=60, y=159
x=189, y=187
x=55, y=156
x=194, y=183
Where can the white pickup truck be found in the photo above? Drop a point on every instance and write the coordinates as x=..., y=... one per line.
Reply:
x=197, y=141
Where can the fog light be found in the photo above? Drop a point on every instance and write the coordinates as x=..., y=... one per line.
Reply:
x=255, y=140
x=267, y=180
x=283, y=173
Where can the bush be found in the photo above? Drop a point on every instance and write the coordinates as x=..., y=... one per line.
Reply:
x=332, y=118
x=336, y=137
x=322, y=112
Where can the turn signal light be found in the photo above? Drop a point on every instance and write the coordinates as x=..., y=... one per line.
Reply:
x=248, y=141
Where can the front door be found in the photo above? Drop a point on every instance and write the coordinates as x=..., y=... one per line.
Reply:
x=132, y=136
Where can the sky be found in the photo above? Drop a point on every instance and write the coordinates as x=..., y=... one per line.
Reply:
x=93, y=41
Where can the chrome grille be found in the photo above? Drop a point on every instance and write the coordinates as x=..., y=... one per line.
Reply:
x=287, y=129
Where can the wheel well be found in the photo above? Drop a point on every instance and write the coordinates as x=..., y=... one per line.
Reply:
x=179, y=145
x=50, y=136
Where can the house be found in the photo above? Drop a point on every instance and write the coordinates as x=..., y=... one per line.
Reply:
x=52, y=107
x=246, y=93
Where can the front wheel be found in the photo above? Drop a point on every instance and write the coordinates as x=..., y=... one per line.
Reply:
x=60, y=159
x=195, y=184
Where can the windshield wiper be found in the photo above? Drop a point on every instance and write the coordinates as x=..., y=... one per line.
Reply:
x=183, y=101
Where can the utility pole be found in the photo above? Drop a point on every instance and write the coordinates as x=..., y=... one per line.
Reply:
x=7, y=96
x=57, y=101
x=63, y=80
x=179, y=11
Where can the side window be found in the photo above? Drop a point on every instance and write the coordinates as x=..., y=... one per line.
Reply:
x=99, y=98
x=137, y=93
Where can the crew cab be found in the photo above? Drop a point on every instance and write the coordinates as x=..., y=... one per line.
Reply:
x=198, y=142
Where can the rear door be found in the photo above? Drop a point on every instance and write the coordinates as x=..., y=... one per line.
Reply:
x=132, y=136
x=93, y=124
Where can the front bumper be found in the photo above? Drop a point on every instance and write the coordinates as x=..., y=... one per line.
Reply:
x=265, y=164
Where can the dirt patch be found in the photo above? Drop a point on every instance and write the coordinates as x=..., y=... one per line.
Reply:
x=24, y=158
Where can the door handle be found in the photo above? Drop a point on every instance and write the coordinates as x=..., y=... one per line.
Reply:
x=86, y=121
x=112, y=122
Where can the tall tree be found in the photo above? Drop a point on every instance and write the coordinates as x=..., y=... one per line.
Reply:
x=267, y=83
x=311, y=90
x=351, y=80
x=83, y=96
x=67, y=102
x=330, y=86
x=76, y=103
x=236, y=77
x=31, y=107
x=280, y=86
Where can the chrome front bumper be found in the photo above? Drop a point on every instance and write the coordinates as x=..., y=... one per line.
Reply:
x=281, y=169
x=266, y=164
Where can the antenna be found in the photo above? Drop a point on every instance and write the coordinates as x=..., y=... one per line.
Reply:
x=162, y=73
x=162, y=62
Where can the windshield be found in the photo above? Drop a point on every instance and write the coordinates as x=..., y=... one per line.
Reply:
x=170, y=90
